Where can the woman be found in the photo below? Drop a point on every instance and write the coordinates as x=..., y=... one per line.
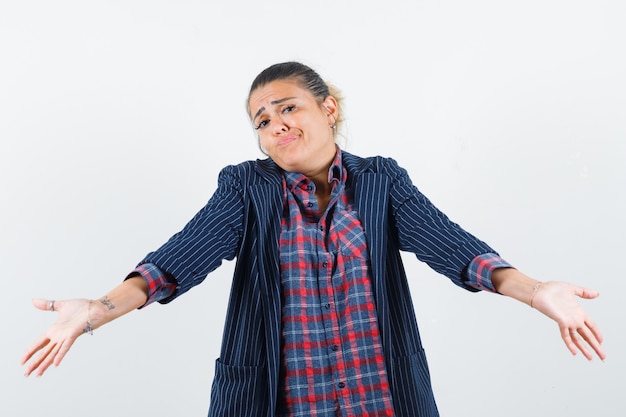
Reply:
x=320, y=320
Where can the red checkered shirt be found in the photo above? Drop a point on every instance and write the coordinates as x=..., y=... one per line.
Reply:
x=332, y=356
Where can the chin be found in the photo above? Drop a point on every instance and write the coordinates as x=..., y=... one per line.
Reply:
x=290, y=162
x=290, y=166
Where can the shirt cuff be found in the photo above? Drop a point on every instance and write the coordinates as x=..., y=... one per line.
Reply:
x=480, y=269
x=159, y=287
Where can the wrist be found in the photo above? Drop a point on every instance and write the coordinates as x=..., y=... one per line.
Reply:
x=535, y=289
x=98, y=313
x=512, y=283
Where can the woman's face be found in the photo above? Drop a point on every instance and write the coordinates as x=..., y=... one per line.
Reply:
x=294, y=129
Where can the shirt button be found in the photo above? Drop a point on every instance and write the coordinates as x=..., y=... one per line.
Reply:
x=335, y=348
x=309, y=188
x=327, y=305
x=325, y=264
x=309, y=204
x=341, y=385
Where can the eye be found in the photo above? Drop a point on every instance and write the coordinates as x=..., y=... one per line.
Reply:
x=289, y=108
x=262, y=124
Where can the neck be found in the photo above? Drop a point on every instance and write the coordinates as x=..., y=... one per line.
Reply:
x=322, y=187
x=320, y=177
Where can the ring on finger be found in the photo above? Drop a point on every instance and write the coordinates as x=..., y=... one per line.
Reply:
x=51, y=305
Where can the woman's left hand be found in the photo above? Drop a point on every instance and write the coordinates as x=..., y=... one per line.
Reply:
x=558, y=300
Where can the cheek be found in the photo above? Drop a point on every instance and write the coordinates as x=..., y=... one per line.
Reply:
x=261, y=139
x=264, y=142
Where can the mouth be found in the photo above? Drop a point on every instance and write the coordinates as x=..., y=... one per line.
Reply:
x=287, y=140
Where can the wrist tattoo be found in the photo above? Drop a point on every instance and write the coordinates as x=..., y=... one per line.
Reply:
x=105, y=300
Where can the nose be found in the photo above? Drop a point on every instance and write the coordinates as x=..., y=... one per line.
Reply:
x=279, y=125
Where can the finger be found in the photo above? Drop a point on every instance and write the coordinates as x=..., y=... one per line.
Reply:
x=65, y=347
x=586, y=293
x=34, y=348
x=579, y=337
x=30, y=368
x=43, y=303
x=600, y=352
x=47, y=360
x=595, y=337
x=567, y=338
x=36, y=363
x=593, y=342
x=594, y=329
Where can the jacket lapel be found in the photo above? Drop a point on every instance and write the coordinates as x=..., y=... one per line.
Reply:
x=371, y=196
x=266, y=197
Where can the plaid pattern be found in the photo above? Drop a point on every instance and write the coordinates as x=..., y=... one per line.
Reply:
x=480, y=269
x=158, y=285
x=332, y=357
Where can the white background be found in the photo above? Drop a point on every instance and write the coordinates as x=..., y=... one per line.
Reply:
x=116, y=116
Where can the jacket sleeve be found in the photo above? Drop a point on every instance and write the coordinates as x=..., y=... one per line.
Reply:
x=211, y=236
x=427, y=232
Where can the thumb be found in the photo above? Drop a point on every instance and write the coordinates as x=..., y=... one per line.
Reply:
x=586, y=293
x=45, y=304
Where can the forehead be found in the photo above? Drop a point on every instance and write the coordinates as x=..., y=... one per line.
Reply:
x=276, y=90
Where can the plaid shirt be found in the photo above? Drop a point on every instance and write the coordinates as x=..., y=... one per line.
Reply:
x=332, y=357
x=331, y=349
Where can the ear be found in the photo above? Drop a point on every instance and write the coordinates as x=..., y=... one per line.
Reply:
x=332, y=109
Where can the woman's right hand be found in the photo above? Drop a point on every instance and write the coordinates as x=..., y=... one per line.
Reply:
x=51, y=347
x=78, y=316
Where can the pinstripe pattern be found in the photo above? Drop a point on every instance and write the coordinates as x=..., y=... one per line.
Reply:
x=242, y=219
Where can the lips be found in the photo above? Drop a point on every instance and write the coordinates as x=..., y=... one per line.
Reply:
x=287, y=140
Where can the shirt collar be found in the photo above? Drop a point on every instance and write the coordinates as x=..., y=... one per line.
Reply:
x=336, y=174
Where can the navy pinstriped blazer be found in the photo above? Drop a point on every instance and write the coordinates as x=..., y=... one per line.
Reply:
x=242, y=219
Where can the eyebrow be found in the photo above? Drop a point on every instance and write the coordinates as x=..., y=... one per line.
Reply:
x=273, y=103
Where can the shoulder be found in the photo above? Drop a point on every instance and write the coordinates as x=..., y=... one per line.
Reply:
x=250, y=172
x=372, y=164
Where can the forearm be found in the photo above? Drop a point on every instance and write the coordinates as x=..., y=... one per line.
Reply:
x=514, y=284
x=129, y=295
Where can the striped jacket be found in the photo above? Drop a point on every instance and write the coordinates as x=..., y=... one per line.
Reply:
x=242, y=219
